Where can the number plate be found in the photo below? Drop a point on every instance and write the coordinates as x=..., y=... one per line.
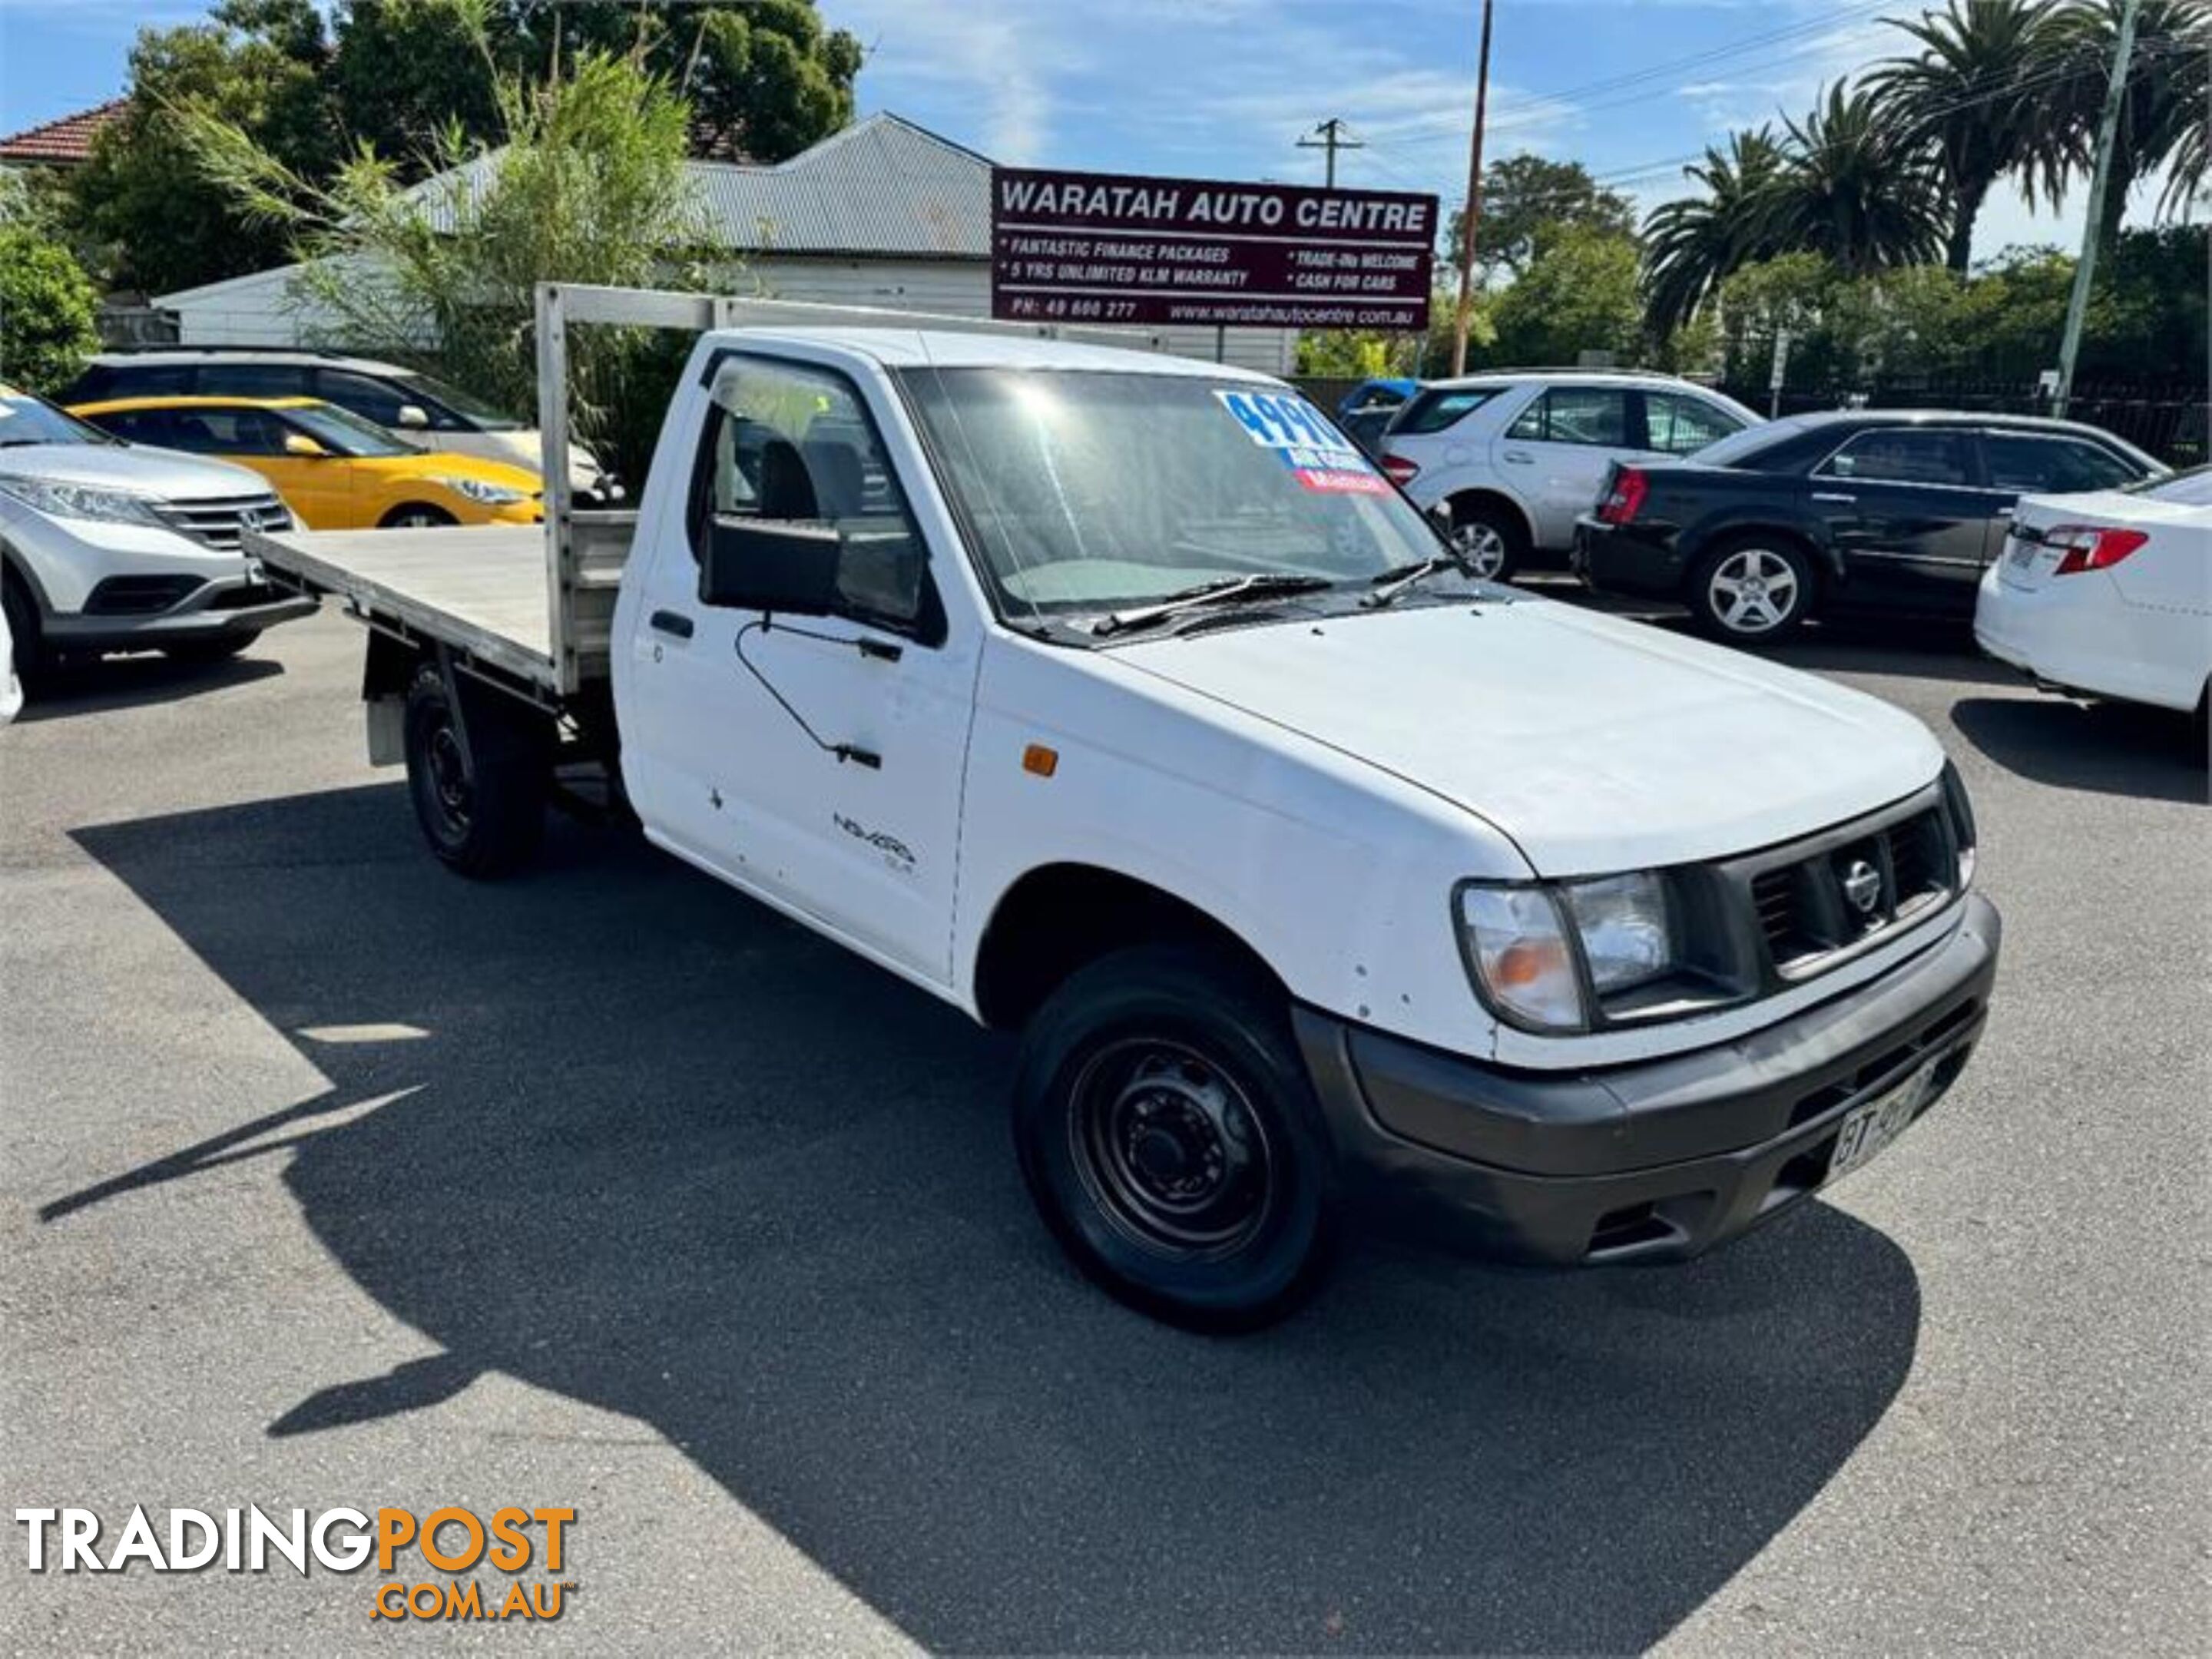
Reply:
x=1871, y=1128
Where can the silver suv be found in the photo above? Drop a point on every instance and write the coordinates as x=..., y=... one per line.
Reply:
x=1517, y=455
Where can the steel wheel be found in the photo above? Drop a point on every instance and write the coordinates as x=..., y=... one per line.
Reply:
x=1480, y=548
x=1170, y=1149
x=1753, y=591
x=450, y=790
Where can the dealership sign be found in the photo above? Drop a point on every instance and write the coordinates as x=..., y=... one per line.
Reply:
x=1093, y=247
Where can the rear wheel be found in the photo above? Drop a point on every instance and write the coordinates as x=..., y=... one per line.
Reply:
x=480, y=793
x=418, y=515
x=1169, y=1137
x=1752, y=591
x=1488, y=539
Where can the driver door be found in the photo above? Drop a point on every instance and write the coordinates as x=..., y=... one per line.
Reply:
x=742, y=715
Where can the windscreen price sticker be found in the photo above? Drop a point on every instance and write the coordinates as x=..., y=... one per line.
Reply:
x=1317, y=456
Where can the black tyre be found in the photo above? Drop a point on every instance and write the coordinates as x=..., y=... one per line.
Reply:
x=1169, y=1136
x=1753, y=589
x=26, y=641
x=482, y=804
x=416, y=515
x=220, y=649
x=1489, y=539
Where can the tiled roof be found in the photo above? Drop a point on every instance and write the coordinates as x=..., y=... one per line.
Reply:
x=64, y=142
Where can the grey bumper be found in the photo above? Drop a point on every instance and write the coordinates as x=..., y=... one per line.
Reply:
x=1660, y=1159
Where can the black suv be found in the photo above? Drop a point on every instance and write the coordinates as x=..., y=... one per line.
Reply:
x=1857, y=511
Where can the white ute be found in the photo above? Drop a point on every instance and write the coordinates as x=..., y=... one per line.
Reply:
x=1117, y=699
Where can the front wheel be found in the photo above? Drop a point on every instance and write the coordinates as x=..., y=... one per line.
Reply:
x=1752, y=592
x=1171, y=1139
x=479, y=795
x=418, y=515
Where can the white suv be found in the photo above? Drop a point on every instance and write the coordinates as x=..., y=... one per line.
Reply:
x=1516, y=456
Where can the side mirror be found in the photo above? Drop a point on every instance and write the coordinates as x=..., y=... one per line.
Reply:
x=413, y=416
x=790, y=568
x=300, y=444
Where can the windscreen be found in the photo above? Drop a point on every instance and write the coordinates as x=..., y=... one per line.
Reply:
x=27, y=420
x=478, y=413
x=344, y=433
x=1085, y=491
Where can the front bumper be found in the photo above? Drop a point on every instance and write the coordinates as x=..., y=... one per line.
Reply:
x=223, y=609
x=1659, y=1159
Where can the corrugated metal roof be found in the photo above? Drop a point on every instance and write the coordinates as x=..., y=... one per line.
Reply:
x=66, y=141
x=882, y=186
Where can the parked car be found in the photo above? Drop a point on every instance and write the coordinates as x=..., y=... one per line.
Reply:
x=1515, y=456
x=2108, y=594
x=426, y=412
x=1848, y=512
x=334, y=470
x=1155, y=776
x=1367, y=409
x=111, y=547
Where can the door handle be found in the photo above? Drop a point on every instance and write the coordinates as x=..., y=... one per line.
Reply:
x=1831, y=495
x=1520, y=458
x=2002, y=512
x=672, y=622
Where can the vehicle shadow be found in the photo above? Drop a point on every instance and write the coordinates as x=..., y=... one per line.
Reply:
x=110, y=683
x=2112, y=748
x=621, y=1133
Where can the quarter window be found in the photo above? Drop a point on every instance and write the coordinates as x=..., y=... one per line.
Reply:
x=1902, y=457
x=1597, y=416
x=1682, y=426
x=794, y=444
x=1432, y=412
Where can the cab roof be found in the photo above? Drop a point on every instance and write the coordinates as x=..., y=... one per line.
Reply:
x=907, y=347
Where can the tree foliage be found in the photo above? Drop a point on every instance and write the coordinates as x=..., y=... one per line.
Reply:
x=1521, y=195
x=48, y=306
x=1578, y=294
x=1692, y=246
x=583, y=182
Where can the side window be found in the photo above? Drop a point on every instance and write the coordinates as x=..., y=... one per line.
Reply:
x=2026, y=462
x=227, y=431
x=1682, y=426
x=790, y=443
x=253, y=380
x=1432, y=412
x=149, y=380
x=373, y=399
x=1597, y=415
x=1902, y=457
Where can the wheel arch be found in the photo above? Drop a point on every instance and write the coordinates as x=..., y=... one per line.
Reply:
x=1472, y=495
x=1728, y=529
x=1058, y=917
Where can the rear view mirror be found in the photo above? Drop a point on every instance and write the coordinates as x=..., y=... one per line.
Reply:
x=754, y=565
x=412, y=414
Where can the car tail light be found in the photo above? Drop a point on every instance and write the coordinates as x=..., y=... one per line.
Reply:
x=1401, y=471
x=2091, y=547
x=1626, y=499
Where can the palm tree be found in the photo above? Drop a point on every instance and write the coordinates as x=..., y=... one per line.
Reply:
x=1692, y=246
x=1960, y=95
x=2162, y=114
x=1856, y=186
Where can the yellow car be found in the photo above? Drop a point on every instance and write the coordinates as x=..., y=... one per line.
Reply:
x=335, y=470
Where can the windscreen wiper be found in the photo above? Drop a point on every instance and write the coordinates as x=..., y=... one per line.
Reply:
x=1226, y=590
x=1391, y=583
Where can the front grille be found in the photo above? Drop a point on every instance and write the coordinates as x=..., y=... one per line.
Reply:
x=220, y=521
x=1811, y=908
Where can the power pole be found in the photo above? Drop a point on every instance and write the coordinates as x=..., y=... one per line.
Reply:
x=1473, y=203
x=2085, y=270
x=1329, y=135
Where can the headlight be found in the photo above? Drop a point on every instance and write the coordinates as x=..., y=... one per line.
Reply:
x=490, y=495
x=1521, y=941
x=69, y=500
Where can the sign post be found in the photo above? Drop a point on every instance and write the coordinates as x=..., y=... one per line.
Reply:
x=1091, y=247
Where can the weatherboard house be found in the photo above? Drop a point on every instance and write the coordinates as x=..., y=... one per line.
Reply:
x=885, y=213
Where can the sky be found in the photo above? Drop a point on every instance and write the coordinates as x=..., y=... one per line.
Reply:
x=1226, y=88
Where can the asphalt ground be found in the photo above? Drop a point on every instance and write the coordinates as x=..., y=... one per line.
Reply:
x=328, y=1179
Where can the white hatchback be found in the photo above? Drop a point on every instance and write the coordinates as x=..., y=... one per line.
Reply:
x=1516, y=457
x=2108, y=593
